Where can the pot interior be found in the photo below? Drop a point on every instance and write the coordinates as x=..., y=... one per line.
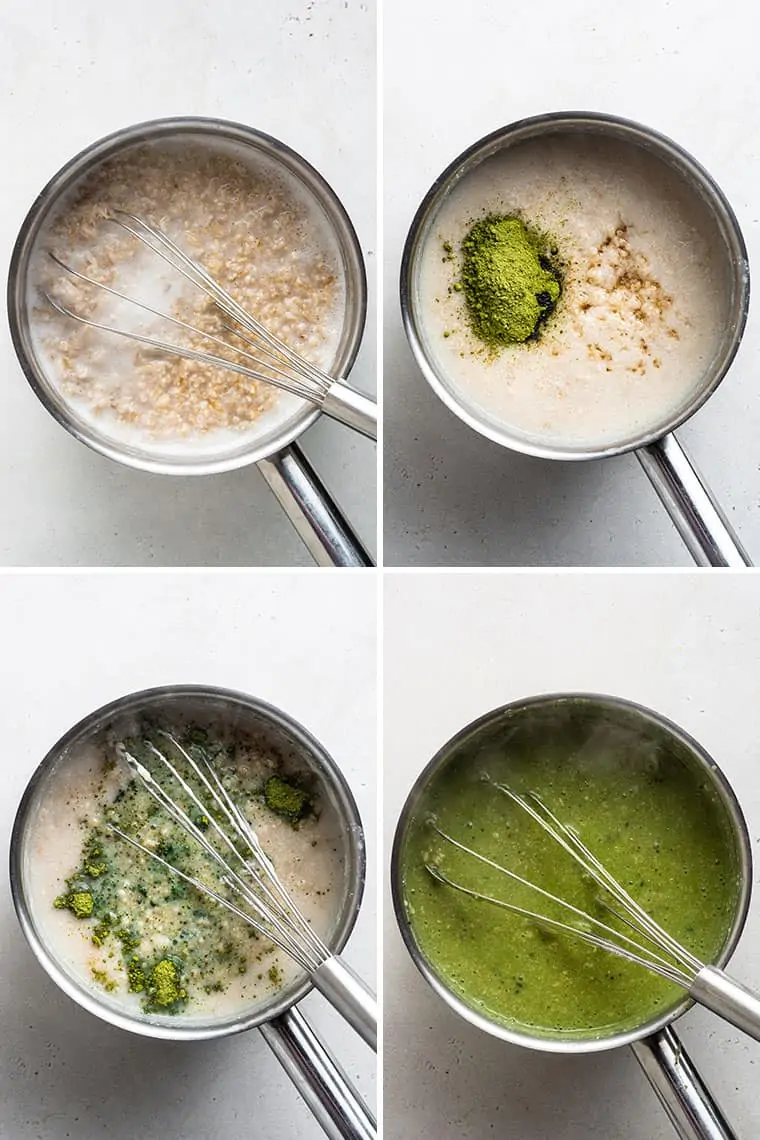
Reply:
x=555, y=397
x=649, y=804
x=323, y=856
x=89, y=176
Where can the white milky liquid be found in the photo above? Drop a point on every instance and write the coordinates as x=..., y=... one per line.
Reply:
x=601, y=372
x=87, y=366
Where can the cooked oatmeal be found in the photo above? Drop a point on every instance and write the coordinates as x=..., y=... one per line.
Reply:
x=250, y=226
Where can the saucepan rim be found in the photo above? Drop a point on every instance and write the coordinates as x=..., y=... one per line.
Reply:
x=444, y=754
x=247, y=706
x=560, y=122
x=90, y=158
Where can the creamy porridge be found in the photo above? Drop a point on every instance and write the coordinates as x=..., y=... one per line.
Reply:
x=144, y=939
x=255, y=230
x=642, y=291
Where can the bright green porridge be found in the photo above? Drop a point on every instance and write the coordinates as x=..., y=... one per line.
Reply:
x=656, y=825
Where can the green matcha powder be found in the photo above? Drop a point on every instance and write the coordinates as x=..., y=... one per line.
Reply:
x=508, y=281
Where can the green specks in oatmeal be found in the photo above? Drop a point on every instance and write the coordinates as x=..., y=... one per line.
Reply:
x=135, y=975
x=151, y=933
x=201, y=821
x=93, y=863
x=102, y=978
x=174, y=851
x=129, y=940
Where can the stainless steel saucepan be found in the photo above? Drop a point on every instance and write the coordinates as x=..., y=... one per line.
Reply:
x=318, y=1076
x=692, y=1110
x=308, y=504
x=697, y=516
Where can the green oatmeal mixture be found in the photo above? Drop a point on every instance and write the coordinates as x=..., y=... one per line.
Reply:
x=658, y=828
x=137, y=931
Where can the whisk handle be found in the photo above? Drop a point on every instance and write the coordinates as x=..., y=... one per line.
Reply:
x=351, y=408
x=680, y=1089
x=730, y=1000
x=316, y=516
x=352, y=998
x=321, y=1081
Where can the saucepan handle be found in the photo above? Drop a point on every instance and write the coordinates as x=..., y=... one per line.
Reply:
x=352, y=998
x=321, y=1081
x=730, y=1000
x=312, y=510
x=681, y=1091
x=696, y=515
x=352, y=408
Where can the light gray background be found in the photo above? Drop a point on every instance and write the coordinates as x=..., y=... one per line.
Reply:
x=451, y=76
x=72, y=642
x=457, y=645
x=302, y=71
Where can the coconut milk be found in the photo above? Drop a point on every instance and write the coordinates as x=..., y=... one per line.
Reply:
x=644, y=301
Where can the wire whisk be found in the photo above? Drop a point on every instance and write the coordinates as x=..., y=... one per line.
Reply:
x=646, y=944
x=271, y=361
x=260, y=898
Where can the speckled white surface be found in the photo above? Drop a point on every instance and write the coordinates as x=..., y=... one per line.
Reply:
x=305, y=642
x=688, y=70
x=456, y=645
x=303, y=71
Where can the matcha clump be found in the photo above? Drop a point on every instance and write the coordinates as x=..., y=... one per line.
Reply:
x=286, y=800
x=100, y=933
x=79, y=903
x=135, y=976
x=93, y=863
x=509, y=284
x=164, y=987
x=128, y=940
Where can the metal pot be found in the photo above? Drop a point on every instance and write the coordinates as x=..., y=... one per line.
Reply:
x=319, y=1078
x=695, y=513
x=309, y=506
x=691, y=1109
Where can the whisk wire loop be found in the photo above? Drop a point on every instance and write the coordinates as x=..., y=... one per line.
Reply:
x=654, y=962
x=634, y=914
x=663, y=966
x=194, y=272
x=248, y=834
x=262, y=869
x=651, y=946
x=272, y=362
x=293, y=949
x=255, y=892
x=274, y=375
x=270, y=916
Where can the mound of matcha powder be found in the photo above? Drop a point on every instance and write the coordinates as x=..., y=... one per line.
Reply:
x=509, y=285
